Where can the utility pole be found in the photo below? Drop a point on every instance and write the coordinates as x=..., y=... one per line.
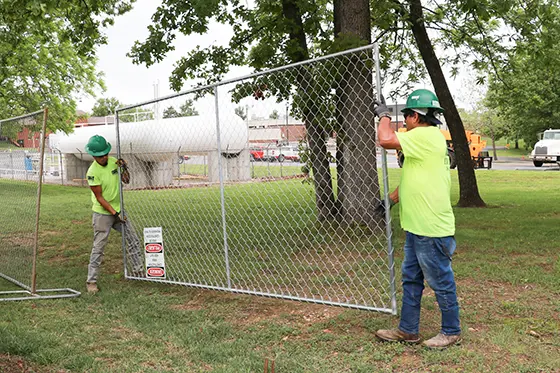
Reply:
x=287, y=124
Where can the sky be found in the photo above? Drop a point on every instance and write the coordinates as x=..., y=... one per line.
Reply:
x=131, y=83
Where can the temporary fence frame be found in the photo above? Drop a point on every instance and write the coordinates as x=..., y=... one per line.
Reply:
x=30, y=291
x=376, y=83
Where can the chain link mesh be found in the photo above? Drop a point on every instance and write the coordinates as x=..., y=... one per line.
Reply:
x=20, y=162
x=267, y=184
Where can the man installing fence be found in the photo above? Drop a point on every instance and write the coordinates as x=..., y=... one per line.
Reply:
x=426, y=216
x=103, y=180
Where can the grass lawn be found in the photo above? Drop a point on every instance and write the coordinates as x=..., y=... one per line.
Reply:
x=507, y=268
x=501, y=150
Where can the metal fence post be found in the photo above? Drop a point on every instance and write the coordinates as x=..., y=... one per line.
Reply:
x=222, y=191
x=388, y=229
x=12, y=163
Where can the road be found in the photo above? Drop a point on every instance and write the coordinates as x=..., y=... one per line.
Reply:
x=504, y=163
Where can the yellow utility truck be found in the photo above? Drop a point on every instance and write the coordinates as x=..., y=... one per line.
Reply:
x=479, y=156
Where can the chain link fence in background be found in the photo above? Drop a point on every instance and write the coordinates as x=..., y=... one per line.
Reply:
x=287, y=208
x=20, y=193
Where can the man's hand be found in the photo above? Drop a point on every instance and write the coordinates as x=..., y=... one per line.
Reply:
x=380, y=208
x=380, y=109
x=122, y=163
x=125, y=175
x=120, y=218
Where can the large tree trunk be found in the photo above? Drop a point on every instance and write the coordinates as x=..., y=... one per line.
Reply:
x=358, y=183
x=468, y=188
x=316, y=133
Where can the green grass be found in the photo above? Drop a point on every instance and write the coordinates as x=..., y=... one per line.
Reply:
x=522, y=151
x=258, y=169
x=507, y=267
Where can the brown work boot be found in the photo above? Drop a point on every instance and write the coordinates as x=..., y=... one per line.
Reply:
x=92, y=287
x=442, y=341
x=396, y=335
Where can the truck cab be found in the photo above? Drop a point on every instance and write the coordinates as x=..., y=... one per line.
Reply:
x=547, y=150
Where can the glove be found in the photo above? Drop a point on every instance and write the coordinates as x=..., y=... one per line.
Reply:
x=380, y=109
x=120, y=218
x=122, y=163
x=380, y=208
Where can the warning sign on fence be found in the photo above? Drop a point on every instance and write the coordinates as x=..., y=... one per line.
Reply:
x=153, y=251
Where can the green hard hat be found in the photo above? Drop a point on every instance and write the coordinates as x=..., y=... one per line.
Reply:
x=421, y=101
x=97, y=146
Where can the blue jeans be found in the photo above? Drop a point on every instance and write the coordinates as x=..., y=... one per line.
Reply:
x=429, y=258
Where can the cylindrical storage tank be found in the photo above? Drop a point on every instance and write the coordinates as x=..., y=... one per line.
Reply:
x=160, y=139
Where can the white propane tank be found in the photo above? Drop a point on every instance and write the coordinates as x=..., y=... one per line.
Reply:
x=154, y=140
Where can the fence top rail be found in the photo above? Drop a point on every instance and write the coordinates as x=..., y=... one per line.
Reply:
x=22, y=116
x=248, y=76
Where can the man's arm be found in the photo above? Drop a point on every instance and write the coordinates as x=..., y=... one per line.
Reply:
x=385, y=134
x=387, y=137
x=97, y=191
x=394, y=196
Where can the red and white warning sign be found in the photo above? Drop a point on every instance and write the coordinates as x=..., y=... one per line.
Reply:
x=153, y=251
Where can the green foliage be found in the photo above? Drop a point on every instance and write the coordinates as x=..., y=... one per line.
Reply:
x=47, y=54
x=241, y=112
x=171, y=112
x=525, y=91
x=106, y=106
x=260, y=36
x=188, y=109
x=185, y=110
x=514, y=48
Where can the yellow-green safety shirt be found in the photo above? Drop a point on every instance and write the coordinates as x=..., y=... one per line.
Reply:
x=108, y=178
x=424, y=191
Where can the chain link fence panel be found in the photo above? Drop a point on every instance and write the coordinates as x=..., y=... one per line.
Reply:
x=267, y=184
x=19, y=180
x=22, y=169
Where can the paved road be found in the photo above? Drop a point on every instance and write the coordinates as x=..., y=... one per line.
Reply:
x=504, y=163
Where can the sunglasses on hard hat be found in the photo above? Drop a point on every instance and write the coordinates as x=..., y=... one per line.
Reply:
x=407, y=114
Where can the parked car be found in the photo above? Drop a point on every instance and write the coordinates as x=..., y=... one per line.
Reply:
x=183, y=158
x=274, y=153
x=290, y=153
x=256, y=154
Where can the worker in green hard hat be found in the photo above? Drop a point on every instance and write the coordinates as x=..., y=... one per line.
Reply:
x=103, y=180
x=426, y=104
x=426, y=216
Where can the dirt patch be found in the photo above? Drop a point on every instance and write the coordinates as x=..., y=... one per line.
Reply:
x=15, y=364
x=252, y=310
x=56, y=233
x=11, y=242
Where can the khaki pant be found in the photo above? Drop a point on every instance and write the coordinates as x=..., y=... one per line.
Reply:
x=102, y=225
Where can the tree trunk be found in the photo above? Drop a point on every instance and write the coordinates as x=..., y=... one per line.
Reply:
x=358, y=183
x=493, y=134
x=316, y=133
x=468, y=188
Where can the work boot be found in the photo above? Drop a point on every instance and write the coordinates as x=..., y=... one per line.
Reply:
x=397, y=335
x=92, y=287
x=442, y=341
